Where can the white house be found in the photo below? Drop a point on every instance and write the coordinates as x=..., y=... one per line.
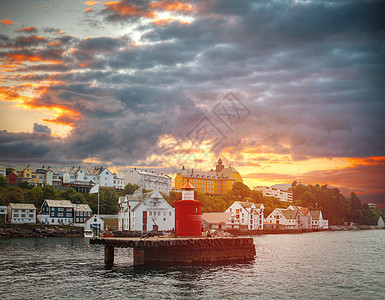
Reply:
x=149, y=180
x=317, y=220
x=146, y=212
x=119, y=181
x=381, y=222
x=248, y=214
x=304, y=219
x=94, y=223
x=20, y=213
x=282, y=195
x=219, y=221
x=283, y=218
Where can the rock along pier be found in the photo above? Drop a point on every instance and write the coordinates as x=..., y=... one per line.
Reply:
x=194, y=250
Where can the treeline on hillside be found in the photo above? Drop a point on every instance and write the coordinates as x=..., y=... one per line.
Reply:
x=239, y=192
x=335, y=207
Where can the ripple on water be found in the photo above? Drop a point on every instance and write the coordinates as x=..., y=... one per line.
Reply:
x=325, y=265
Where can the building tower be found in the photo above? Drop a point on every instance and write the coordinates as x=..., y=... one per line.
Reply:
x=220, y=166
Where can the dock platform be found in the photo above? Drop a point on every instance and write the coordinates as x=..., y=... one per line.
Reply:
x=180, y=250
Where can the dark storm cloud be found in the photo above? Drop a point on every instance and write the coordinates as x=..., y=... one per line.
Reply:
x=41, y=128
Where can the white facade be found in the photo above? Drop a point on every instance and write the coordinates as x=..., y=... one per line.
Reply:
x=94, y=223
x=283, y=218
x=19, y=213
x=119, y=181
x=219, y=221
x=317, y=220
x=145, y=212
x=304, y=219
x=248, y=214
x=381, y=222
x=282, y=195
x=149, y=180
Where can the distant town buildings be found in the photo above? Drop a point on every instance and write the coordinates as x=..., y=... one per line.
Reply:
x=149, y=180
x=282, y=195
x=214, y=182
x=296, y=218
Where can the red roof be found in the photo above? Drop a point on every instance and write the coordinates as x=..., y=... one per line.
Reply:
x=188, y=186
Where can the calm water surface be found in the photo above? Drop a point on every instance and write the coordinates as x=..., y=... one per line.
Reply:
x=324, y=265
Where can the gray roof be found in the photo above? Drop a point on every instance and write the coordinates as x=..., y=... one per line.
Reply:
x=82, y=207
x=315, y=214
x=21, y=206
x=59, y=203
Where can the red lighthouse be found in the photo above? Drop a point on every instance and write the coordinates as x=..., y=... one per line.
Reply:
x=188, y=213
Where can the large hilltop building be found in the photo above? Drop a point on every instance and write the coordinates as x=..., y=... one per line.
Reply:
x=149, y=180
x=282, y=195
x=214, y=182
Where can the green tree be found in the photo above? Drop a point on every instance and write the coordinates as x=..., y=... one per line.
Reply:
x=35, y=196
x=3, y=181
x=130, y=188
x=48, y=192
x=356, y=203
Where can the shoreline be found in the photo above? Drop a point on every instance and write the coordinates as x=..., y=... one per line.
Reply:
x=45, y=230
x=39, y=231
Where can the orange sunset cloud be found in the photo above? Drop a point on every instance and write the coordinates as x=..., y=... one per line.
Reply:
x=6, y=22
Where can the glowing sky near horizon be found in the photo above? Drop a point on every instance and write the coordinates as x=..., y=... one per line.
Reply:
x=130, y=83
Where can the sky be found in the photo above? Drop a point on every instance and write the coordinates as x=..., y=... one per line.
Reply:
x=280, y=90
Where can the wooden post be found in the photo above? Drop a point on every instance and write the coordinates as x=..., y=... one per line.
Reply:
x=138, y=256
x=109, y=256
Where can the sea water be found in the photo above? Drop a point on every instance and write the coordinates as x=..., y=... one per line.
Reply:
x=320, y=265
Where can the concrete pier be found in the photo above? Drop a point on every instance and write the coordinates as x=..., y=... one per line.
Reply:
x=195, y=250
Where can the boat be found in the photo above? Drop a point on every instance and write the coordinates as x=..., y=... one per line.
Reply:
x=88, y=234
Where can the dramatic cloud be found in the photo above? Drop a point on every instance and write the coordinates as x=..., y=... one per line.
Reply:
x=308, y=74
x=6, y=22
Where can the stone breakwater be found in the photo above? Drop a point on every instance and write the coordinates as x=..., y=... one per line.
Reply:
x=39, y=230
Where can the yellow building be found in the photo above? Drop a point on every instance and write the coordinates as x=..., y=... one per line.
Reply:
x=213, y=182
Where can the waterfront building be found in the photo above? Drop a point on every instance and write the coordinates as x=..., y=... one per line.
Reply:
x=304, y=218
x=283, y=218
x=282, y=195
x=20, y=213
x=82, y=212
x=94, y=223
x=56, y=212
x=213, y=182
x=145, y=212
x=317, y=220
x=3, y=213
x=249, y=215
x=149, y=180
x=215, y=221
x=381, y=222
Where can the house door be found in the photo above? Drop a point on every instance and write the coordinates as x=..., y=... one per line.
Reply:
x=144, y=221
